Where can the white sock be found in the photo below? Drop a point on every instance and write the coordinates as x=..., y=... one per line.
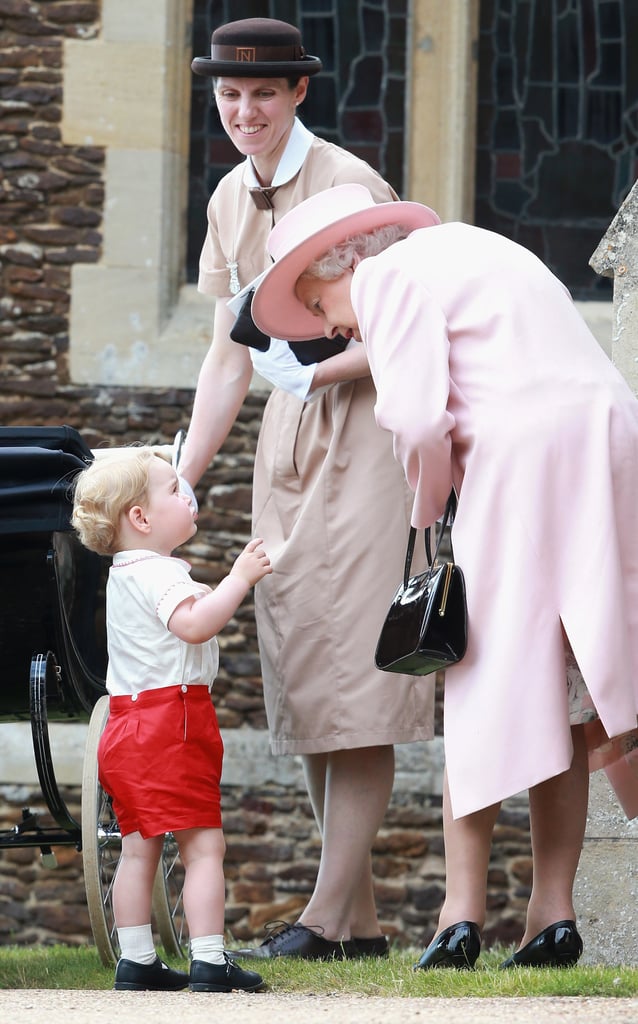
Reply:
x=136, y=944
x=209, y=948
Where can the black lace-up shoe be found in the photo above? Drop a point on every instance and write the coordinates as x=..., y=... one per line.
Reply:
x=205, y=977
x=295, y=940
x=155, y=977
x=355, y=949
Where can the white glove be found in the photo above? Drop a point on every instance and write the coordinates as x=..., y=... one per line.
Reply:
x=281, y=367
x=185, y=488
x=278, y=364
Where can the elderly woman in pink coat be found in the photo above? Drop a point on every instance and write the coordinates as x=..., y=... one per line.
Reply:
x=491, y=383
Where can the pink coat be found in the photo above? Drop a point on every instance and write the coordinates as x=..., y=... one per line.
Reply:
x=489, y=380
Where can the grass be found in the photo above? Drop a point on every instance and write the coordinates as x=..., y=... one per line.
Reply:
x=63, y=967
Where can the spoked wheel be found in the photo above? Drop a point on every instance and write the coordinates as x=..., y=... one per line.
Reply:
x=102, y=844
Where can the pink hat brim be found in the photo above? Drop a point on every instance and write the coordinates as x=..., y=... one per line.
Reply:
x=275, y=308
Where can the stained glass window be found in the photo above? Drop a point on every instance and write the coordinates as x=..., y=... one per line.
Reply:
x=557, y=126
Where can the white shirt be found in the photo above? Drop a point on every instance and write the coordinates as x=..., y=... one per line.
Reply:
x=142, y=592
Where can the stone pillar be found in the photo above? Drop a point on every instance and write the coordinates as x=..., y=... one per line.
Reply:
x=133, y=322
x=441, y=136
x=606, y=889
x=617, y=257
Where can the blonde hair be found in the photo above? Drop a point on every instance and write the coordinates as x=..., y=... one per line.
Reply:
x=340, y=257
x=111, y=485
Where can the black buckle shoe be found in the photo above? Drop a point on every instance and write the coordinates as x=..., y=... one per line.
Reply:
x=295, y=940
x=457, y=946
x=156, y=977
x=226, y=977
x=559, y=945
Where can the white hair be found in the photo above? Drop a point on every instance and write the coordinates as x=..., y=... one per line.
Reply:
x=341, y=256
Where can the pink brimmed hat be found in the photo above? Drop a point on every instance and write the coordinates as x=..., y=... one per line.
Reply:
x=307, y=232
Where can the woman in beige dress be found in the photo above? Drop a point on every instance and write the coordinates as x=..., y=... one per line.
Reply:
x=327, y=494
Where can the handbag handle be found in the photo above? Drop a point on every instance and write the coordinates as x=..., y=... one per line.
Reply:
x=450, y=509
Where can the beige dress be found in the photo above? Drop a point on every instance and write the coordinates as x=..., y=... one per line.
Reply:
x=332, y=506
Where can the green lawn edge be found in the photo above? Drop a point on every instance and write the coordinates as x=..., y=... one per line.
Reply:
x=64, y=967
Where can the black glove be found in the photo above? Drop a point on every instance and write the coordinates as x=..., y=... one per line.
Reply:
x=246, y=332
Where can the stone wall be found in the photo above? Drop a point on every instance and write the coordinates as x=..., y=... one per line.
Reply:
x=271, y=864
x=606, y=887
x=50, y=206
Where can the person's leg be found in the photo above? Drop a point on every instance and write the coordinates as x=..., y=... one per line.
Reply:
x=315, y=767
x=133, y=885
x=202, y=851
x=212, y=969
x=468, y=842
x=139, y=967
x=558, y=816
x=349, y=791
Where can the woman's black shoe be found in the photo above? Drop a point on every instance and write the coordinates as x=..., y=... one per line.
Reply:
x=458, y=946
x=294, y=940
x=560, y=945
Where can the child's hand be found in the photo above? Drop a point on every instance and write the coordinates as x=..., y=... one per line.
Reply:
x=253, y=563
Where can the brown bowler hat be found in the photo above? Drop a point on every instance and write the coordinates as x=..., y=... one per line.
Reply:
x=256, y=48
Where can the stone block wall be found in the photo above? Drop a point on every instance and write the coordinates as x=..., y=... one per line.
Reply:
x=270, y=867
x=50, y=205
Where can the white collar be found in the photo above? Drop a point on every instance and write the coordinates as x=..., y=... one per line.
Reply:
x=299, y=142
x=121, y=558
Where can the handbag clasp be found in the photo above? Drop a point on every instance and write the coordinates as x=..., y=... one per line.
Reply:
x=446, y=588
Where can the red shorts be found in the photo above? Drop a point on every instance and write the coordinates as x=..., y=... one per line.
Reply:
x=160, y=760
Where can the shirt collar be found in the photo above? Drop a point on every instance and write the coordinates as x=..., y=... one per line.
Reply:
x=292, y=158
x=121, y=558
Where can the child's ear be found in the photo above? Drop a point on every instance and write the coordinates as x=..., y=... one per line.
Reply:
x=137, y=518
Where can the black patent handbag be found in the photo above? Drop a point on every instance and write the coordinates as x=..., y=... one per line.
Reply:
x=426, y=627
